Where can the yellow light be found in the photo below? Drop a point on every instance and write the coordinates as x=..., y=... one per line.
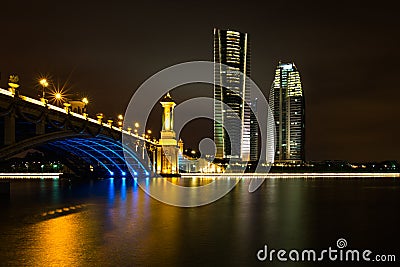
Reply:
x=120, y=117
x=44, y=82
x=120, y=123
x=136, y=124
x=58, y=96
x=85, y=100
x=149, y=131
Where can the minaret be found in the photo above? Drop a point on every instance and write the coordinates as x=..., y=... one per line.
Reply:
x=167, y=151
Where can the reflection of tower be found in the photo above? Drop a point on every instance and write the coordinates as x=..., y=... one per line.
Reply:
x=167, y=151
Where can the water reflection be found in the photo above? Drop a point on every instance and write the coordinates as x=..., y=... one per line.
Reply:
x=113, y=222
x=56, y=241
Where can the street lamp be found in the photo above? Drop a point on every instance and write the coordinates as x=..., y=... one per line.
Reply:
x=13, y=82
x=44, y=83
x=85, y=101
x=120, y=119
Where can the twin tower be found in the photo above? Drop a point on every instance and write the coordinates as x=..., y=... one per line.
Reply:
x=286, y=100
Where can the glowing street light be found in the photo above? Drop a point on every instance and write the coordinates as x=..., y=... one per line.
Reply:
x=137, y=125
x=120, y=117
x=149, y=131
x=44, y=83
x=58, y=96
x=85, y=101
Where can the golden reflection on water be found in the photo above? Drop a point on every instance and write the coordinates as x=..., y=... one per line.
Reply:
x=59, y=241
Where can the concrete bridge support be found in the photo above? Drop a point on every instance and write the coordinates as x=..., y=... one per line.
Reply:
x=9, y=129
x=40, y=127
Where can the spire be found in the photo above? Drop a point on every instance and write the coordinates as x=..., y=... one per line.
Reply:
x=167, y=98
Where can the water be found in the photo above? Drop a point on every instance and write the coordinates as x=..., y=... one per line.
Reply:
x=113, y=222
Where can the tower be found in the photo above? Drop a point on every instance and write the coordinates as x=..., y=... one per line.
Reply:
x=231, y=92
x=167, y=150
x=253, y=131
x=288, y=108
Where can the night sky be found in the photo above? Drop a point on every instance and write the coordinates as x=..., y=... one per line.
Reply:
x=347, y=54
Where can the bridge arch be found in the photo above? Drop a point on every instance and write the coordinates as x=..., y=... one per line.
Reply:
x=99, y=151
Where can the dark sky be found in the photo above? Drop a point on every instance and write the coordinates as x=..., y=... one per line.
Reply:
x=347, y=53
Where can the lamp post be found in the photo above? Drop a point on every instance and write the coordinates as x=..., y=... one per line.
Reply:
x=85, y=101
x=120, y=121
x=136, y=124
x=13, y=82
x=44, y=83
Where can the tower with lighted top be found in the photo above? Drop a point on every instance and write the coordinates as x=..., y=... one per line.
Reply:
x=167, y=151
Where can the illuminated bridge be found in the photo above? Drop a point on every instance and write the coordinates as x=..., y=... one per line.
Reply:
x=87, y=146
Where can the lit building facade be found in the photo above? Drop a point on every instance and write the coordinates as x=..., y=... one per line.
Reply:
x=288, y=107
x=231, y=48
x=253, y=131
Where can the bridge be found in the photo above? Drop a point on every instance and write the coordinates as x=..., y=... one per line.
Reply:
x=88, y=146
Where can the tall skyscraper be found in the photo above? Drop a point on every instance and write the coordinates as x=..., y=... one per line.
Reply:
x=232, y=49
x=253, y=131
x=288, y=107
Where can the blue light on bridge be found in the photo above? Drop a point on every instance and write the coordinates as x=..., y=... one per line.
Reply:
x=108, y=153
x=65, y=143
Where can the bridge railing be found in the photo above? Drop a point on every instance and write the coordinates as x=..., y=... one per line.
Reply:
x=76, y=115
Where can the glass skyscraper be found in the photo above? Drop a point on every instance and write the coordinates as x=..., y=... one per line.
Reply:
x=288, y=107
x=231, y=48
x=253, y=131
